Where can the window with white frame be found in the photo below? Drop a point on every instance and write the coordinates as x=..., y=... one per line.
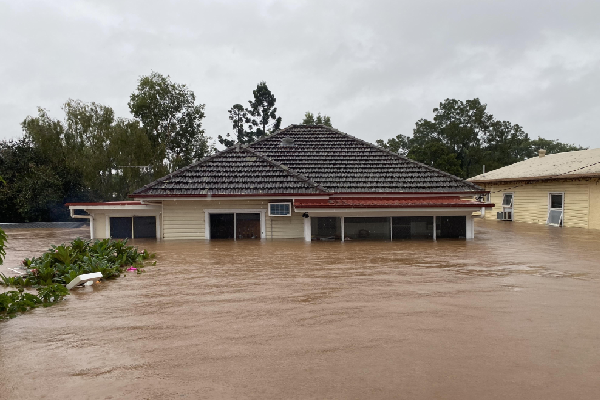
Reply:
x=507, y=206
x=280, y=209
x=555, y=208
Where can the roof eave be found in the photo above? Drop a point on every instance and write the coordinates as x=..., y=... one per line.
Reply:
x=537, y=178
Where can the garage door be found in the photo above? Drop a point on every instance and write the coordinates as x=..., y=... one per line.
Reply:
x=144, y=227
x=120, y=227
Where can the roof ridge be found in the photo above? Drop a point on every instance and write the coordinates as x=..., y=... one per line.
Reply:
x=270, y=136
x=287, y=170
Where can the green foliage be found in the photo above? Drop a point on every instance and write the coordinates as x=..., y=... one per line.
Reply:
x=172, y=120
x=60, y=265
x=255, y=122
x=309, y=119
x=19, y=301
x=90, y=155
x=463, y=136
x=552, y=146
x=87, y=155
x=265, y=120
x=239, y=118
x=38, y=182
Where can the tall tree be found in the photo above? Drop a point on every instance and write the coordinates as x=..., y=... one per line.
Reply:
x=309, y=119
x=240, y=118
x=38, y=184
x=106, y=152
x=263, y=112
x=463, y=136
x=172, y=119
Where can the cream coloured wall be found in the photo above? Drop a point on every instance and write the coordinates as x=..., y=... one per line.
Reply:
x=594, y=221
x=285, y=227
x=99, y=226
x=184, y=219
x=530, y=202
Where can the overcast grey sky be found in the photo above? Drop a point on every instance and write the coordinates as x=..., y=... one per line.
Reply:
x=375, y=67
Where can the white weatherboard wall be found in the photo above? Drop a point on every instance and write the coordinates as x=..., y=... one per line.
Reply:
x=184, y=219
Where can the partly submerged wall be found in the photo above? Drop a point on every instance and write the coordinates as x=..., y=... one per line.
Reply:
x=185, y=219
x=530, y=201
x=594, y=219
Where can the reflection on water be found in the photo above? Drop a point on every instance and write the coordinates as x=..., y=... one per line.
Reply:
x=505, y=315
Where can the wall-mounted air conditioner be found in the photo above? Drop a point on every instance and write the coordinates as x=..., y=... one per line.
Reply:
x=504, y=215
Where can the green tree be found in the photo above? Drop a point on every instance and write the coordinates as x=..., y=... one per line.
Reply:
x=552, y=146
x=463, y=137
x=264, y=120
x=172, y=120
x=131, y=155
x=309, y=119
x=106, y=152
x=37, y=184
x=399, y=144
x=240, y=118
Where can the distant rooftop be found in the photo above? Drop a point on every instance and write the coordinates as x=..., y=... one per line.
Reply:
x=573, y=164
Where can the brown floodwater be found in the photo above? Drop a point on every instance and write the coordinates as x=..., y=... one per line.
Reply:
x=513, y=314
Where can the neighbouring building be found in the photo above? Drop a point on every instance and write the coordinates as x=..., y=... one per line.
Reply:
x=310, y=182
x=558, y=189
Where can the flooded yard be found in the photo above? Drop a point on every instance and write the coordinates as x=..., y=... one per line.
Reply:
x=513, y=314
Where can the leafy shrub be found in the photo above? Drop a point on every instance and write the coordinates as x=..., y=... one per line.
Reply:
x=18, y=301
x=63, y=263
x=59, y=265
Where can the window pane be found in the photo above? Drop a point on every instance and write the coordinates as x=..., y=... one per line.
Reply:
x=554, y=217
x=412, y=227
x=367, y=228
x=280, y=209
x=326, y=228
x=556, y=201
x=507, y=200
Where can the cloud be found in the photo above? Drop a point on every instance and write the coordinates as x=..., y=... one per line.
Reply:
x=375, y=67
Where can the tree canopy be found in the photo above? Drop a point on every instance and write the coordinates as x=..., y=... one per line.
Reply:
x=258, y=120
x=172, y=120
x=463, y=137
x=310, y=119
x=240, y=118
x=90, y=155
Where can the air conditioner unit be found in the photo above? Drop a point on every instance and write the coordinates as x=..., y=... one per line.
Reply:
x=504, y=215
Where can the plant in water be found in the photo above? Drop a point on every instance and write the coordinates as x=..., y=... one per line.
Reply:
x=60, y=265
x=18, y=301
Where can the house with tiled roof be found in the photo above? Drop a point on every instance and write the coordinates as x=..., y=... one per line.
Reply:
x=306, y=182
x=557, y=189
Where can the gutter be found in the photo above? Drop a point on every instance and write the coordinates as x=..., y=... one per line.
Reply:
x=90, y=217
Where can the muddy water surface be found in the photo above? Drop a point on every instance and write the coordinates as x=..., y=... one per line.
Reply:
x=513, y=314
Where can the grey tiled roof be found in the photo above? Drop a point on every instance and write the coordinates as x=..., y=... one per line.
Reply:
x=321, y=160
x=344, y=164
x=233, y=171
